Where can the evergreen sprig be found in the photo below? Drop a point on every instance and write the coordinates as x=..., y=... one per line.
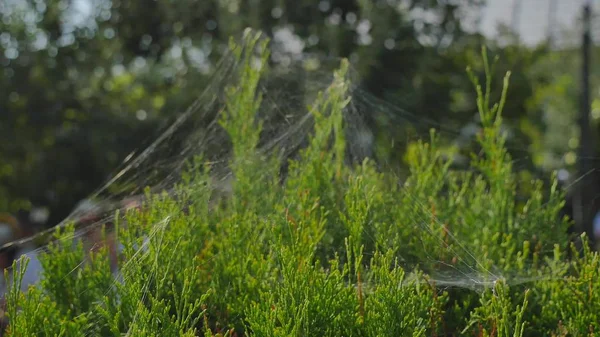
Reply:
x=334, y=250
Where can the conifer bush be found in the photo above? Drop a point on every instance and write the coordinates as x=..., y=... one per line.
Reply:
x=335, y=248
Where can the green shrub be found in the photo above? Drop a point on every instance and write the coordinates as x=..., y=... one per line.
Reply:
x=334, y=250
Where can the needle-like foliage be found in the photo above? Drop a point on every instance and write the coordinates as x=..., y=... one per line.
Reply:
x=332, y=250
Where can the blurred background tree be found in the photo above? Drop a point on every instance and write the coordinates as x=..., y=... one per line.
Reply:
x=86, y=82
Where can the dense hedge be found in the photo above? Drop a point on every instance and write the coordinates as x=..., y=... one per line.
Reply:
x=334, y=250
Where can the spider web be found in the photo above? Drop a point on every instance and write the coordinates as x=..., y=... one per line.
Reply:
x=287, y=126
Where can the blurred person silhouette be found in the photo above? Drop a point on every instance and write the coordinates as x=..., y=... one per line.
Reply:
x=91, y=221
x=11, y=229
x=96, y=240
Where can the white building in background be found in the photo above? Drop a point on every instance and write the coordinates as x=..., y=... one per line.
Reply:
x=536, y=20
